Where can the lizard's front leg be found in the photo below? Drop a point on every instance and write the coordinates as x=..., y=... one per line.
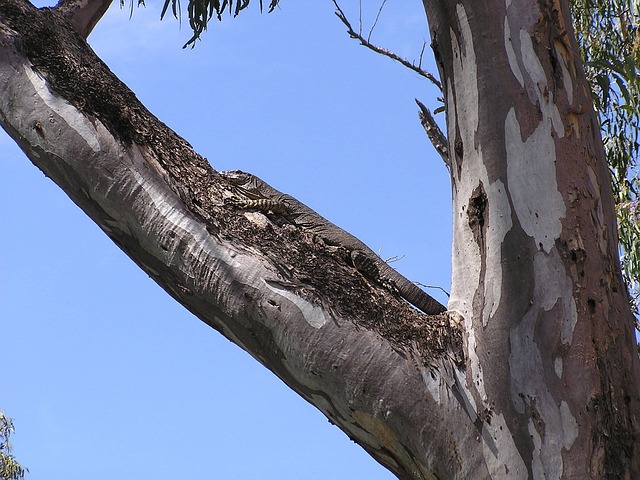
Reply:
x=266, y=205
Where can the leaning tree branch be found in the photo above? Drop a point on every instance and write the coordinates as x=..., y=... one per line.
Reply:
x=383, y=51
x=438, y=139
x=83, y=14
x=349, y=346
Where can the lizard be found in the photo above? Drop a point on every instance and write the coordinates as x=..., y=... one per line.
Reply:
x=262, y=196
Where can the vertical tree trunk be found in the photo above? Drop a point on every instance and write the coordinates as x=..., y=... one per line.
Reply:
x=552, y=368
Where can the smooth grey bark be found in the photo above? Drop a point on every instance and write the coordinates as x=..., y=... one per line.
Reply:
x=543, y=384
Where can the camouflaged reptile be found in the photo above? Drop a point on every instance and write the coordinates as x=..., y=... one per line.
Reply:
x=261, y=196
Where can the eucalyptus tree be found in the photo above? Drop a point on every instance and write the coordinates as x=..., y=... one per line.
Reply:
x=10, y=469
x=531, y=372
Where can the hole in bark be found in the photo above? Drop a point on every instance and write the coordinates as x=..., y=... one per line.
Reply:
x=459, y=148
x=476, y=212
x=591, y=303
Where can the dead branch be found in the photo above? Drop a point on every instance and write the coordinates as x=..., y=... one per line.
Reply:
x=437, y=138
x=395, y=258
x=383, y=51
x=375, y=22
x=433, y=286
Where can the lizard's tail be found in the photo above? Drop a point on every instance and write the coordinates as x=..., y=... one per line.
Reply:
x=412, y=293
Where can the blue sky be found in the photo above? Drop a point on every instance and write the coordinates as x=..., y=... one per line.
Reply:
x=106, y=376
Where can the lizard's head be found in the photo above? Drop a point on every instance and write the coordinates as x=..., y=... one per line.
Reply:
x=236, y=177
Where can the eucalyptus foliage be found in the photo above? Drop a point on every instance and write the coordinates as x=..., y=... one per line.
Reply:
x=608, y=33
x=10, y=469
x=201, y=11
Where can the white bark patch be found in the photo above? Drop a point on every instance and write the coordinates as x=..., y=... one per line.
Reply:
x=553, y=285
x=529, y=390
x=498, y=225
x=511, y=54
x=64, y=109
x=312, y=314
x=466, y=254
x=463, y=108
x=465, y=71
x=508, y=465
x=538, y=79
x=434, y=383
x=523, y=15
x=532, y=181
x=558, y=366
x=569, y=425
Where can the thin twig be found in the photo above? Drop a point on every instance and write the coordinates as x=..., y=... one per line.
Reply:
x=424, y=45
x=395, y=258
x=383, y=51
x=433, y=286
x=437, y=138
x=375, y=21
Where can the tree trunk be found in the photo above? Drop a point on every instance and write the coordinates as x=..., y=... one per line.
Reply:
x=551, y=365
x=532, y=373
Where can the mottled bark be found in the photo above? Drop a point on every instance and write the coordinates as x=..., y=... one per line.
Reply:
x=549, y=340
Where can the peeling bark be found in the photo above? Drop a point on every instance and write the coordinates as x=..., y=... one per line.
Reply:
x=536, y=279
